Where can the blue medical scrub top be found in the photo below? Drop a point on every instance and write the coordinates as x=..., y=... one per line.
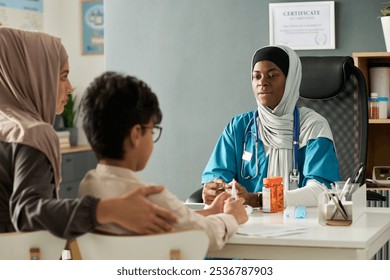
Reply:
x=317, y=160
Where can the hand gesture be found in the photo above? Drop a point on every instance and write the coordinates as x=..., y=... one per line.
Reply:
x=237, y=209
x=212, y=189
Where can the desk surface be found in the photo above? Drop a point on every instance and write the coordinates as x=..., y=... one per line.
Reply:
x=361, y=240
x=75, y=149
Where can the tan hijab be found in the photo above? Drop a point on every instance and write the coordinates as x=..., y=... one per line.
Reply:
x=30, y=64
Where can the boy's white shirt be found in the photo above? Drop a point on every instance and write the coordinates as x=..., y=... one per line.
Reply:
x=110, y=181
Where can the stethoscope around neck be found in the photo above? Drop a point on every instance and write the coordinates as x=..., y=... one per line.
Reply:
x=247, y=156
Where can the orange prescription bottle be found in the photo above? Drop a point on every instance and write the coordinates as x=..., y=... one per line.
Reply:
x=278, y=181
x=270, y=202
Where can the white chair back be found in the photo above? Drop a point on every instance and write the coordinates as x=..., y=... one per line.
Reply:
x=37, y=245
x=187, y=245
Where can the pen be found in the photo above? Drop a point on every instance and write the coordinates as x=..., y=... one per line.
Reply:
x=358, y=175
x=234, y=191
x=345, y=189
x=339, y=206
x=333, y=187
x=355, y=176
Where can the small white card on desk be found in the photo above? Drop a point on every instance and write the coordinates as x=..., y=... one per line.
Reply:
x=271, y=230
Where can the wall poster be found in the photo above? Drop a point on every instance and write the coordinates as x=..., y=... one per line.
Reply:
x=92, y=16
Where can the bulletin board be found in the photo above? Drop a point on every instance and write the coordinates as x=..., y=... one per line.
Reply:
x=92, y=18
x=22, y=14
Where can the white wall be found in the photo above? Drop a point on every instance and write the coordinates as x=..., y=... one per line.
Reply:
x=195, y=55
x=62, y=18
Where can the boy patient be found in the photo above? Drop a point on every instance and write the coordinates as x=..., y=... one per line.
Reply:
x=121, y=118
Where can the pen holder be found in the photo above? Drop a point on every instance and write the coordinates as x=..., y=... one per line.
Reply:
x=333, y=212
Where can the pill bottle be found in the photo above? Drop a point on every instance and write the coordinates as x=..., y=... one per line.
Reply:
x=270, y=202
x=373, y=107
x=279, y=192
x=382, y=105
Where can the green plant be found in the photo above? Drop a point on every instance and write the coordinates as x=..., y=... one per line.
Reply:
x=386, y=10
x=70, y=112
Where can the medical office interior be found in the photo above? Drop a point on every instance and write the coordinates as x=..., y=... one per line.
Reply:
x=195, y=55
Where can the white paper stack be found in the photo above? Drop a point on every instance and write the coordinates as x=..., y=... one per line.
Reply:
x=271, y=230
x=64, y=137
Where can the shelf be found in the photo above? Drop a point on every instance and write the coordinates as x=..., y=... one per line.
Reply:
x=371, y=54
x=75, y=149
x=379, y=129
x=379, y=121
x=379, y=189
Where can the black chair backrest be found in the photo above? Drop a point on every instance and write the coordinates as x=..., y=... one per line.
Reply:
x=335, y=88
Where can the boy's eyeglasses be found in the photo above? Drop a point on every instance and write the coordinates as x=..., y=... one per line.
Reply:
x=156, y=131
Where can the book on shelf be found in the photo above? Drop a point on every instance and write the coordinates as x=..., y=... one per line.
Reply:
x=63, y=137
x=63, y=133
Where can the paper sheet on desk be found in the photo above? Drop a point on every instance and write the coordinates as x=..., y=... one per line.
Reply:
x=271, y=230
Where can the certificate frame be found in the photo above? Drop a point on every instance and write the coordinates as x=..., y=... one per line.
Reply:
x=303, y=25
x=92, y=27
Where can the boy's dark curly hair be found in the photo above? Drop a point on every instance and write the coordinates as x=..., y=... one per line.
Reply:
x=112, y=104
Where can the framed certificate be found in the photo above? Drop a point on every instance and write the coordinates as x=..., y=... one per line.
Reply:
x=303, y=25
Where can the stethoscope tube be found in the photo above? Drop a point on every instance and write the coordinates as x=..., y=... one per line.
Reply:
x=294, y=176
x=248, y=132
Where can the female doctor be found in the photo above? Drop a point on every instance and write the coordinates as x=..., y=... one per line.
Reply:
x=277, y=139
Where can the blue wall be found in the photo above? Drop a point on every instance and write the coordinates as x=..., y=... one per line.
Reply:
x=195, y=55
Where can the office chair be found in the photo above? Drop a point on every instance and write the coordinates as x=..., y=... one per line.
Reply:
x=195, y=197
x=335, y=88
x=186, y=245
x=37, y=245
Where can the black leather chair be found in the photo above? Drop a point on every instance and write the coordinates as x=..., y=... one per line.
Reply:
x=335, y=88
x=195, y=197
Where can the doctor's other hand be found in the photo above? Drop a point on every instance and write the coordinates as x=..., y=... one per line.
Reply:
x=241, y=191
x=250, y=198
x=212, y=189
x=237, y=209
x=135, y=212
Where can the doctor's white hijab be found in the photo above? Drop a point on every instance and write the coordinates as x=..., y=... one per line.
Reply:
x=276, y=126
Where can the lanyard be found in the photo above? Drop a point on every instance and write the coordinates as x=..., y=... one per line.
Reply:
x=296, y=140
x=294, y=176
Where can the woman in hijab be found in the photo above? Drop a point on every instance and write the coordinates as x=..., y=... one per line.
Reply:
x=260, y=144
x=33, y=88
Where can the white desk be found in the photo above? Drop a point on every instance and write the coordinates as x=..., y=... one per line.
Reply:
x=361, y=240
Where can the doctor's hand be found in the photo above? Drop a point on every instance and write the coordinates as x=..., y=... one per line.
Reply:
x=241, y=191
x=237, y=209
x=212, y=189
x=250, y=198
